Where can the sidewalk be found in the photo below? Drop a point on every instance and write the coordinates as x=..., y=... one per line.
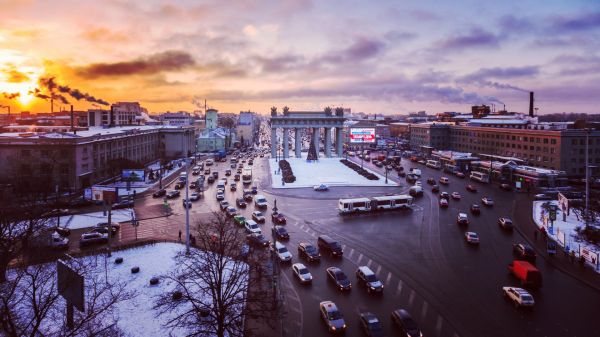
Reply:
x=526, y=226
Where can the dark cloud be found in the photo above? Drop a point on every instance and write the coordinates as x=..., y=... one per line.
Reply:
x=11, y=95
x=476, y=38
x=577, y=65
x=399, y=36
x=581, y=22
x=165, y=61
x=514, y=24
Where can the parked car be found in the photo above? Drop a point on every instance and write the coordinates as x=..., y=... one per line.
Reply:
x=92, y=238
x=220, y=196
x=302, y=273
x=472, y=238
x=519, y=296
x=505, y=223
x=280, y=233
x=371, y=325
x=258, y=216
x=321, y=187
x=405, y=323
x=223, y=205
x=339, y=278
x=278, y=218
x=332, y=317
x=173, y=194
x=160, y=193
x=102, y=227
x=309, y=252
x=257, y=239
x=366, y=277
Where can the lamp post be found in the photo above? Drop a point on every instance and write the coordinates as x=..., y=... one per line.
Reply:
x=187, y=209
x=587, y=177
x=386, y=174
x=274, y=258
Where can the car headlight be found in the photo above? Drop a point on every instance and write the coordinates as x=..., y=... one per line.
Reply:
x=344, y=326
x=332, y=328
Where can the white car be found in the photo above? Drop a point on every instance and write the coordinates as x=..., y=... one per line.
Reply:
x=321, y=187
x=455, y=195
x=302, y=273
x=520, y=297
x=252, y=227
x=220, y=196
x=462, y=219
x=194, y=196
x=283, y=253
x=472, y=238
x=487, y=201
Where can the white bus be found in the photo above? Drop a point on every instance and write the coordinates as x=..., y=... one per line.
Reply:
x=354, y=205
x=434, y=164
x=480, y=176
x=183, y=177
x=393, y=201
x=247, y=176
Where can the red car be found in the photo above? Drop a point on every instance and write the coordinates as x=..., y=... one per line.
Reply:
x=278, y=218
x=443, y=203
x=471, y=188
x=475, y=209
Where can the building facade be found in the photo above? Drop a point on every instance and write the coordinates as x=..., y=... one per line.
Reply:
x=212, y=119
x=247, y=128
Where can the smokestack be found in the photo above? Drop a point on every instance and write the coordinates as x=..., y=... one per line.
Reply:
x=52, y=106
x=72, y=128
x=111, y=121
x=531, y=104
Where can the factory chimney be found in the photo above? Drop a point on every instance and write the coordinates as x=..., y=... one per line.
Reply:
x=52, y=106
x=531, y=104
x=72, y=128
x=111, y=121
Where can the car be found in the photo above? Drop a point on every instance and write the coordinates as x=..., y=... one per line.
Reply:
x=207, y=171
x=339, y=278
x=302, y=273
x=475, y=209
x=160, y=193
x=444, y=181
x=252, y=227
x=445, y=195
x=195, y=172
x=405, y=323
x=443, y=203
x=430, y=181
x=248, y=196
x=232, y=166
x=231, y=211
x=487, y=201
x=233, y=187
x=523, y=251
x=186, y=203
x=435, y=188
x=283, y=254
x=179, y=185
x=459, y=174
x=173, y=194
x=280, y=233
x=543, y=196
x=371, y=324
x=308, y=252
x=520, y=297
x=236, y=177
x=402, y=174
x=505, y=223
x=472, y=238
x=321, y=188
x=193, y=185
x=239, y=171
x=62, y=231
x=92, y=238
x=239, y=220
x=418, y=183
x=328, y=244
x=258, y=216
x=58, y=241
x=257, y=239
x=128, y=203
x=455, y=195
x=278, y=218
x=215, y=174
x=365, y=276
x=332, y=317
x=223, y=205
x=254, y=190
x=228, y=172
x=220, y=196
x=471, y=188
x=210, y=179
x=240, y=202
x=195, y=196
x=505, y=187
x=462, y=219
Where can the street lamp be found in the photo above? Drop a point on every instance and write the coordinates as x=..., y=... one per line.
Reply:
x=386, y=174
x=274, y=258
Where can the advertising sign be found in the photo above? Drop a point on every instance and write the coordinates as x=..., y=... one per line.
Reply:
x=70, y=285
x=561, y=237
x=589, y=255
x=362, y=135
x=101, y=193
x=132, y=175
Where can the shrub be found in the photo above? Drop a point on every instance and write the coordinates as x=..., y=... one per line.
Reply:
x=135, y=270
x=119, y=260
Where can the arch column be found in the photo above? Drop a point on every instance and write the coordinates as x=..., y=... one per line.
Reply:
x=328, y=142
x=298, y=138
x=286, y=142
x=315, y=139
x=339, y=142
x=273, y=142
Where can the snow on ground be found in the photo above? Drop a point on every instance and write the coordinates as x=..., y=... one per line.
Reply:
x=328, y=171
x=91, y=219
x=142, y=186
x=572, y=239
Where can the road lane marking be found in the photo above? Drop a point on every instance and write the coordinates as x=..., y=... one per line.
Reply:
x=359, y=259
x=343, y=247
x=438, y=325
x=369, y=263
x=399, y=288
x=378, y=270
x=351, y=253
x=424, y=310
x=411, y=297
x=389, y=277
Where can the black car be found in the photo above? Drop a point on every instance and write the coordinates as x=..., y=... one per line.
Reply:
x=173, y=194
x=210, y=179
x=327, y=244
x=431, y=181
x=179, y=185
x=280, y=233
x=193, y=185
x=309, y=252
x=254, y=190
x=123, y=204
x=435, y=188
x=445, y=195
x=160, y=193
x=215, y=174
x=523, y=251
x=240, y=202
x=339, y=278
x=278, y=218
x=371, y=325
x=406, y=323
x=257, y=239
x=475, y=209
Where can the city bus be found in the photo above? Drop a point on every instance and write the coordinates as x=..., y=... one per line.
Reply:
x=434, y=164
x=247, y=176
x=480, y=176
x=387, y=202
x=392, y=201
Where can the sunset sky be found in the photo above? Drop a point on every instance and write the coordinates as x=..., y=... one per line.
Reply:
x=372, y=56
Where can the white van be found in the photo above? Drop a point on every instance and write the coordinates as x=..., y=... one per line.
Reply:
x=209, y=162
x=283, y=253
x=416, y=172
x=260, y=201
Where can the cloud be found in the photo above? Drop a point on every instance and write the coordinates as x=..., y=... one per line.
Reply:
x=396, y=36
x=250, y=30
x=513, y=24
x=361, y=49
x=103, y=34
x=581, y=22
x=15, y=76
x=476, y=38
x=484, y=76
x=156, y=63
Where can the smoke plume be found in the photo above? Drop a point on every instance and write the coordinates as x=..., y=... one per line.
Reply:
x=12, y=95
x=53, y=87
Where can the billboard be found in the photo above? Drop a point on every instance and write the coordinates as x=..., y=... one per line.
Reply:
x=70, y=285
x=362, y=135
x=132, y=175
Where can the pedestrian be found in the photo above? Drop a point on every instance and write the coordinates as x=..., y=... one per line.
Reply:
x=180, y=235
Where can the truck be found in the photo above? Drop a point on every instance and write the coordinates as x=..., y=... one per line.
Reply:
x=528, y=274
x=220, y=155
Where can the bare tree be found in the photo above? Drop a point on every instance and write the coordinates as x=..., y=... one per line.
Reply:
x=220, y=289
x=31, y=306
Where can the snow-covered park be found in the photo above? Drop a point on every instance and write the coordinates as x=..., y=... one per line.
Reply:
x=87, y=220
x=328, y=171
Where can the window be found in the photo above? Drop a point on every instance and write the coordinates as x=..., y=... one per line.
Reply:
x=553, y=141
x=526, y=139
x=545, y=140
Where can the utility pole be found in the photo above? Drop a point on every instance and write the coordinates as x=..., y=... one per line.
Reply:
x=587, y=178
x=187, y=209
x=274, y=260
